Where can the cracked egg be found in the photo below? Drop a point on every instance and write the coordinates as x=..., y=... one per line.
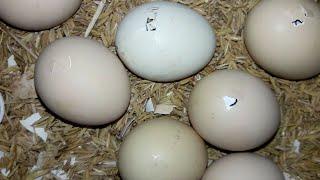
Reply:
x=282, y=36
x=233, y=110
x=165, y=41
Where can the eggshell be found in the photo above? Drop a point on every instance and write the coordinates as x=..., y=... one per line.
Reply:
x=243, y=166
x=82, y=81
x=37, y=15
x=282, y=36
x=165, y=41
x=1, y=107
x=234, y=110
x=162, y=149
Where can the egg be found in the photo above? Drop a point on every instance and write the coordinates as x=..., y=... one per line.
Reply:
x=282, y=36
x=81, y=81
x=243, y=166
x=162, y=149
x=233, y=110
x=35, y=15
x=165, y=41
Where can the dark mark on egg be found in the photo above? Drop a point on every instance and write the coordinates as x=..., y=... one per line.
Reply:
x=297, y=22
x=235, y=102
x=149, y=25
x=151, y=19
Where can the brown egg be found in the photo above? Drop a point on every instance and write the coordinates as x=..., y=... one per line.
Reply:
x=243, y=166
x=233, y=110
x=162, y=149
x=282, y=36
x=37, y=14
x=82, y=81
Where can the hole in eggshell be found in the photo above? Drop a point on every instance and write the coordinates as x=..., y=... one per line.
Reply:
x=150, y=23
x=235, y=102
x=297, y=22
x=150, y=26
x=230, y=102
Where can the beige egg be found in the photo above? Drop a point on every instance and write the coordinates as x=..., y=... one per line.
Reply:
x=243, y=166
x=37, y=14
x=82, y=81
x=162, y=149
x=282, y=36
x=233, y=110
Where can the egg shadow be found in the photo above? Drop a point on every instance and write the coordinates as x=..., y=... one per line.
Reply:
x=58, y=117
x=254, y=150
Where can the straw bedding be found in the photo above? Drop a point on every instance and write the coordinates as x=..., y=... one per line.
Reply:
x=84, y=153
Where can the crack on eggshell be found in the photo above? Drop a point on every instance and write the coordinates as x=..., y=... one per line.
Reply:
x=151, y=19
x=297, y=22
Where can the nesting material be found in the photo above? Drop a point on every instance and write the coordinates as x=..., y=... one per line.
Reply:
x=95, y=17
x=3, y=171
x=95, y=150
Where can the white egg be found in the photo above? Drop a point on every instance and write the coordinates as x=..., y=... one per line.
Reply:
x=165, y=41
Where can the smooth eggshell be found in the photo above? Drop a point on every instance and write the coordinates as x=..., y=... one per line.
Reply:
x=282, y=36
x=165, y=41
x=234, y=110
x=82, y=81
x=37, y=14
x=243, y=166
x=162, y=149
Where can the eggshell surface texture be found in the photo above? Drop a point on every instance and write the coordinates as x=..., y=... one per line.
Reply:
x=233, y=110
x=162, y=149
x=243, y=166
x=82, y=81
x=282, y=36
x=165, y=41
x=37, y=14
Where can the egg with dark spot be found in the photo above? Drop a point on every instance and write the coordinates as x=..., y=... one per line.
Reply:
x=233, y=110
x=282, y=36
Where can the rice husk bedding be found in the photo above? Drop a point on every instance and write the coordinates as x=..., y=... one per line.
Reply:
x=86, y=153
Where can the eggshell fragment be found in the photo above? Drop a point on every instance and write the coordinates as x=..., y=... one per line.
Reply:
x=1, y=108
